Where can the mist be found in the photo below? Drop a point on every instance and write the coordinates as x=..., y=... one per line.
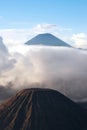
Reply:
x=60, y=68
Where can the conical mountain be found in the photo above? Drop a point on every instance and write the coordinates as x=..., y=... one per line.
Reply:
x=41, y=109
x=47, y=39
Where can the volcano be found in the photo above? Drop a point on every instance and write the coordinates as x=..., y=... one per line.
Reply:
x=41, y=109
x=47, y=39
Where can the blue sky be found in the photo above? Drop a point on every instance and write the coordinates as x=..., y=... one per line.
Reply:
x=28, y=14
x=72, y=13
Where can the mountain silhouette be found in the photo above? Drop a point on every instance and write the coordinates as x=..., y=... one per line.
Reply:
x=41, y=109
x=47, y=39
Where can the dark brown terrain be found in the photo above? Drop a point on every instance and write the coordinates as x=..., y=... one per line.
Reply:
x=41, y=109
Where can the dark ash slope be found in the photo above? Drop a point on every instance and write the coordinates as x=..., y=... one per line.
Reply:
x=41, y=109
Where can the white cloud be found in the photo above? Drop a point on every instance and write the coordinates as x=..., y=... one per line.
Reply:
x=63, y=29
x=63, y=69
x=2, y=46
x=14, y=36
x=6, y=61
x=80, y=40
x=42, y=28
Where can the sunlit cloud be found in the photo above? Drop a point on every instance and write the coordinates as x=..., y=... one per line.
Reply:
x=42, y=28
x=60, y=68
x=80, y=40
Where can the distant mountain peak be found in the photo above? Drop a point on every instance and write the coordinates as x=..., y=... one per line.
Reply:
x=47, y=39
x=41, y=109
